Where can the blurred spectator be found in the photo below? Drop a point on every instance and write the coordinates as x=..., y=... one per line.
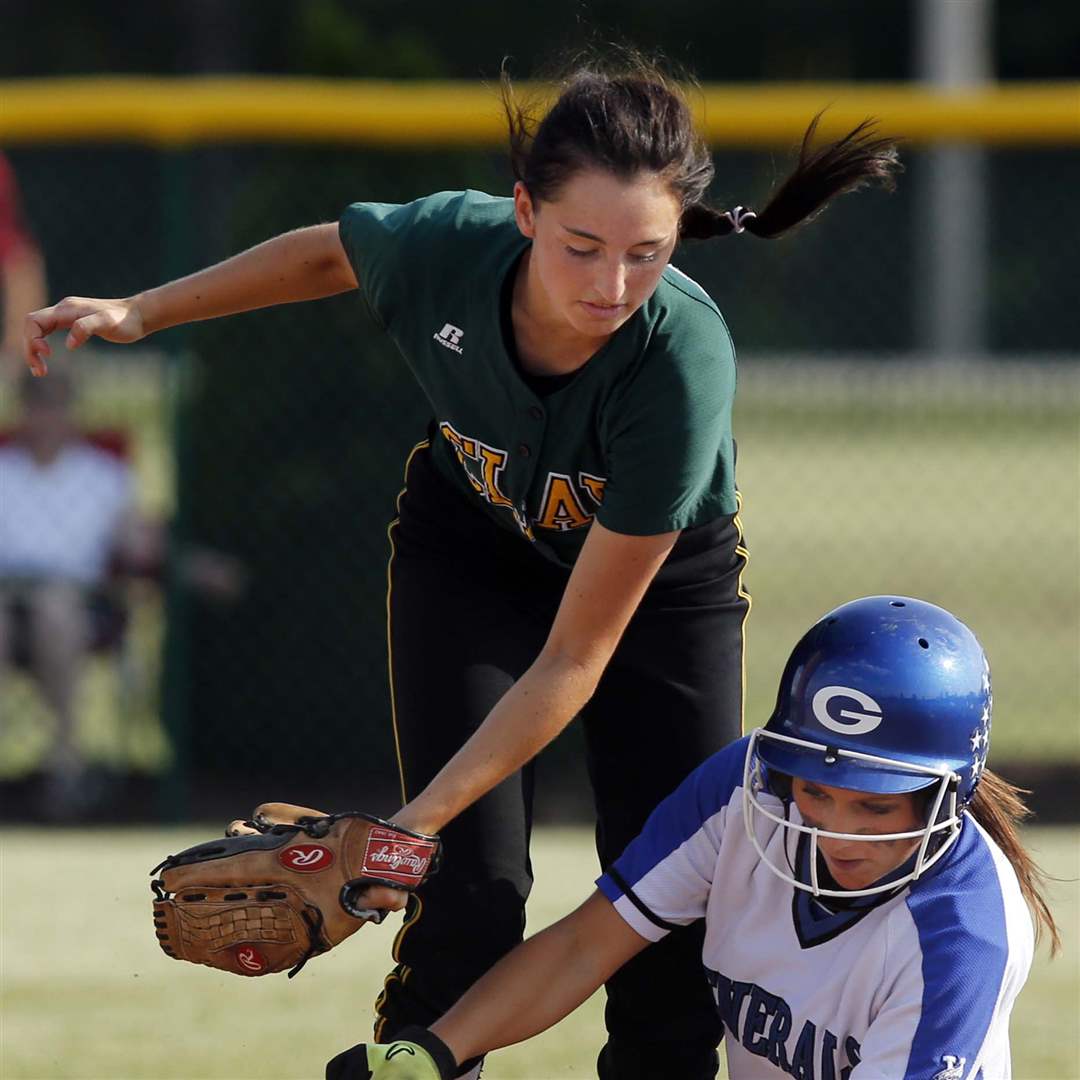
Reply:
x=22, y=271
x=68, y=529
x=66, y=511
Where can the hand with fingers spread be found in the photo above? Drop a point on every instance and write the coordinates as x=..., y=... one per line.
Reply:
x=119, y=321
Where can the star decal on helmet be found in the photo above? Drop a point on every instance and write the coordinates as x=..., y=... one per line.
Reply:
x=980, y=744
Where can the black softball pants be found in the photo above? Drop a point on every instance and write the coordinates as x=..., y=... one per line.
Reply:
x=470, y=608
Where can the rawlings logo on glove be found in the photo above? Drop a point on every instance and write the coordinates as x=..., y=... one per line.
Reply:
x=403, y=862
x=307, y=858
x=285, y=886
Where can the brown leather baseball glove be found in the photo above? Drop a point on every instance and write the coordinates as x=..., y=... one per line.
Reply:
x=283, y=887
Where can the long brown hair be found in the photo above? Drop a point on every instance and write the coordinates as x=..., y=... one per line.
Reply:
x=629, y=116
x=999, y=808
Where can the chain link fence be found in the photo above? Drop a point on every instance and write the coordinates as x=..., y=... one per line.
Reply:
x=276, y=440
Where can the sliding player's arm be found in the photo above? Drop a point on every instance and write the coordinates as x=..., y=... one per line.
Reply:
x=541, y=981
x=529, y=990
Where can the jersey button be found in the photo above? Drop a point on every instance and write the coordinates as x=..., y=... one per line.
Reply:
x=536, y=412
x=524, y=449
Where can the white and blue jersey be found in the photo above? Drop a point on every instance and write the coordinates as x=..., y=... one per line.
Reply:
x=918, y=986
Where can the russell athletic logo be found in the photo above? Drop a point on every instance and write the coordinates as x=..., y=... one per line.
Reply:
x=306, y=858
x=449, y=336
x=389, y=857
x=846, y=721
x=250, y=959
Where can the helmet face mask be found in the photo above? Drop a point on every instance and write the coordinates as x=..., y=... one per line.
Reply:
x=936, y=836
x=885, y=695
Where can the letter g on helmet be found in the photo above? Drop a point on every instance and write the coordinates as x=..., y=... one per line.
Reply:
x=848, y=721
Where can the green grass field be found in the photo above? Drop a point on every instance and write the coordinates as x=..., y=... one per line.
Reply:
x=87, y=994
x=959, y=486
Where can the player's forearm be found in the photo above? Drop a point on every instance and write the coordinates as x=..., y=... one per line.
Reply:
x=541, y=981
x=302, y=265
x=532, y=712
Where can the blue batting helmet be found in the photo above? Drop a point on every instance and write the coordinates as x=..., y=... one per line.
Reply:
x=889, y=677
x=885, y=694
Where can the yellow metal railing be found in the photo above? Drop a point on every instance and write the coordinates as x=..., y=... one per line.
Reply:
x=183, y=111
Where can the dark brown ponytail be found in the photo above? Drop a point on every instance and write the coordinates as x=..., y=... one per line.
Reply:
x=860, y=158
x=637, y=119
x=999, y=808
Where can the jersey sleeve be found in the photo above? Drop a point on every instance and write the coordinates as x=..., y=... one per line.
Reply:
x=397, y=249
x=670, y=449
x=945, y=1014
x=663, y=878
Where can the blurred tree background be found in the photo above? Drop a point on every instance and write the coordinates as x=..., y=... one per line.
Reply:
x=769, y=40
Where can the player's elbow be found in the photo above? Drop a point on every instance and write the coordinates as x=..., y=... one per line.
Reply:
x=574, y=671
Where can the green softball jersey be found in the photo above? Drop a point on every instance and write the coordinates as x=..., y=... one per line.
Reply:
x=639, y=438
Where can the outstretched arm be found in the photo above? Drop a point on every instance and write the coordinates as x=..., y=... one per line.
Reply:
x=541, y=981
x=306, y=264
x=529, y=990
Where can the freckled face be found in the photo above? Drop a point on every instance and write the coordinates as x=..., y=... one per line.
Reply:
x=598, y=249
x=852, y=863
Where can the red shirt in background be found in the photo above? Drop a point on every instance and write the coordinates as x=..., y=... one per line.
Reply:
x=14, y=236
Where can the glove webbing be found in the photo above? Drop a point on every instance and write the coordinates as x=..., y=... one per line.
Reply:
x=314, y=926
x=313, y=923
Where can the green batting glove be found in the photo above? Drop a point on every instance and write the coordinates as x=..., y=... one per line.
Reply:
x=401, y=1061
x=419, y=1055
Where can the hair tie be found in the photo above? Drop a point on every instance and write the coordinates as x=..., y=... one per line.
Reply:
x=737, y=217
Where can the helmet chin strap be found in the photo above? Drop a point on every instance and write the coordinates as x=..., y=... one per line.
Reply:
x=787, y=854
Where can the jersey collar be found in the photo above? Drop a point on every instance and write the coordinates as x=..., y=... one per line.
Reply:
x=818, y=919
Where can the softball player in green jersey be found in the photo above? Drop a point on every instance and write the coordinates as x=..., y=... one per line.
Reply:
x=567, y=542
